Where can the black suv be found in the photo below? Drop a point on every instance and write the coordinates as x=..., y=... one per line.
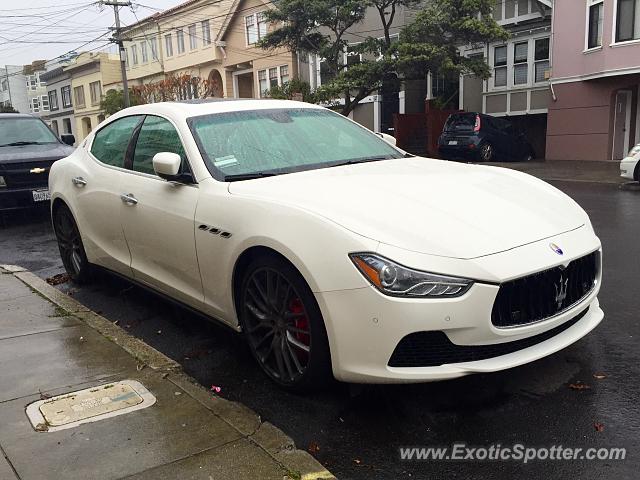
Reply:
x=28, y=148
x=476, y=136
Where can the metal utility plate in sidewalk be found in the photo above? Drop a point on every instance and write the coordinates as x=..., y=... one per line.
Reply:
x=89, y=405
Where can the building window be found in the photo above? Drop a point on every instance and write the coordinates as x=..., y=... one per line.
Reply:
x=180, y=38
x=520, y=63
x=78, y=96
x=35, y=104
x=54, y=127
x=206, y=33
x=256, y=27
x=272, y=78
x=262, y=83
x=154, y=48
x=66, y=125
x=168, y=45
x=541, y=58
x=628, y=20
x=143, y=51
x=351, y=57
x=500, y=66
x=284, y=74
x=596, y=14
x=53, y=99
x=32, y=82
x=66, y=96
x=96, y=92
x=44, y=103
x=193, y=40
x=134, y=54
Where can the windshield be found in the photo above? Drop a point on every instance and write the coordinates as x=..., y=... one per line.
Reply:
x=460, y=122
x=275, y=141
x=24, y=131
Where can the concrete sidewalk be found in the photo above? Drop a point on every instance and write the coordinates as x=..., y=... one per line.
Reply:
x=51, y=345
x=569, y=170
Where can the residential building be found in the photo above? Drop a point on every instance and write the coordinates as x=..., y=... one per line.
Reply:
x=36, y=88
x=92, y=75
x=249, y=71
x=13, y=89
x=596, y=80
x=60, y=95
x=519, y=85
x=22, y=87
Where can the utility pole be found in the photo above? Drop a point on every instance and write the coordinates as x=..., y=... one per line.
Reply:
x=125, y=85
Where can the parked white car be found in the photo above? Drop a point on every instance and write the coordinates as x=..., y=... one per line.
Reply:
x=331, y=249
x=630, y=165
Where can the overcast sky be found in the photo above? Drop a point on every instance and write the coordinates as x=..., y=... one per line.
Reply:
x=60, y=26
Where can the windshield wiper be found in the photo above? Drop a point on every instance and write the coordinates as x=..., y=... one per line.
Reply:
x=354, y=161
x=19, y=144
x=248, y=176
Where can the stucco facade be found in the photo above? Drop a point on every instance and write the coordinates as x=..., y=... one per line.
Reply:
x=92, y=75
x=596, y=79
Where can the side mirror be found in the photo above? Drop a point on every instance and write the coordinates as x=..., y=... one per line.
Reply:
x=167, y=165
x=387, y=138
x=68, y=139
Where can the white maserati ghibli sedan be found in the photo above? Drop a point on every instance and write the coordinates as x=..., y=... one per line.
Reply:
x=331, y=250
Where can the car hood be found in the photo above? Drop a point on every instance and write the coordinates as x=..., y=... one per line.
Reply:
x=50, y=151
x=428, y=206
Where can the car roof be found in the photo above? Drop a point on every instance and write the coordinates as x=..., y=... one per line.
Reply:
x=16, y=115
x=197, y=107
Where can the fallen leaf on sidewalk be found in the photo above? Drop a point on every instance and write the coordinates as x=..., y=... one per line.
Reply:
x=579, y=386
x=43, y=396
x=598, y=426
x=313, y=447
x=58, y=279
x=139, y=367
x=599, y=376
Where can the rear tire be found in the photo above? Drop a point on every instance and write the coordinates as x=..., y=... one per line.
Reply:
x=486, y=152
x=70, y=245
x=283, y=325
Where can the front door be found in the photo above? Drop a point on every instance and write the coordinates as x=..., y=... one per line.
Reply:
x=158, y=217
x=622, y=124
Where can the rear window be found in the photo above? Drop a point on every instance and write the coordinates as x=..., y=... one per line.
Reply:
x=460, y=122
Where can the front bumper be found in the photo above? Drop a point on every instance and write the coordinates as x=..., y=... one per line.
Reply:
x=628, y=167
x=365, y=326
x=18, y=198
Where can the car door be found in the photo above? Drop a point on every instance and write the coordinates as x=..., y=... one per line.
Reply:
x=96, y=191
x=158, y=216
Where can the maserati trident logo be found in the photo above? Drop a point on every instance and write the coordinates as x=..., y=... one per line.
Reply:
x=37, y=170
x=561, y=291
x=556, y=248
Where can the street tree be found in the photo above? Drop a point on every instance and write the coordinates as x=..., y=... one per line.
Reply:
x=429, y=43
x=113, y=101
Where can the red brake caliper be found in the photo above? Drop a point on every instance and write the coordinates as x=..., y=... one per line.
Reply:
x=295, y=306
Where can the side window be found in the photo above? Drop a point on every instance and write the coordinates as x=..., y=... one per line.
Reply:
x=110, y=144
x=156, y=135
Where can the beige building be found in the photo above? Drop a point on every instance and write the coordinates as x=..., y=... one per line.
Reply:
x=92, y=75
x=215, y=41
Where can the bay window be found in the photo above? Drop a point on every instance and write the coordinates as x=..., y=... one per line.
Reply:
x=541, y=59
x=520, y=63
x=500, y=66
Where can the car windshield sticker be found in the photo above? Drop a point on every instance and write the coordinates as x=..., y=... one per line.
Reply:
x=224, y=161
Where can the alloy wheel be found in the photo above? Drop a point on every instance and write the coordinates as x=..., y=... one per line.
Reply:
x=277, y=325
x=69, y=243
x=486, y=152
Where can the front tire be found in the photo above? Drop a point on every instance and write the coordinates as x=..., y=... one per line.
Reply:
x=283, y=325
x=70, y=245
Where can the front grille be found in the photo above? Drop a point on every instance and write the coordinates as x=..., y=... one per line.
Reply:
x=544, y=294
x=432, y=349
x=18, y=175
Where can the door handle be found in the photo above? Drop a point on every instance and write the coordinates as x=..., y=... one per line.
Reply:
x=78, y=181
x=129, y=199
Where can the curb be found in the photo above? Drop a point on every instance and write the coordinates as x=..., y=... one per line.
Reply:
x=266, y=436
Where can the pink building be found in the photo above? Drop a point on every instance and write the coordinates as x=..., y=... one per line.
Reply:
x=595, y=80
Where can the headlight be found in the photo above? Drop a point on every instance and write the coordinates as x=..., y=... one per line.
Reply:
x=2, y=182
x=394, y=279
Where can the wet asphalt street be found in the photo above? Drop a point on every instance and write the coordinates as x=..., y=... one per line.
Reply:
x=357, y=431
